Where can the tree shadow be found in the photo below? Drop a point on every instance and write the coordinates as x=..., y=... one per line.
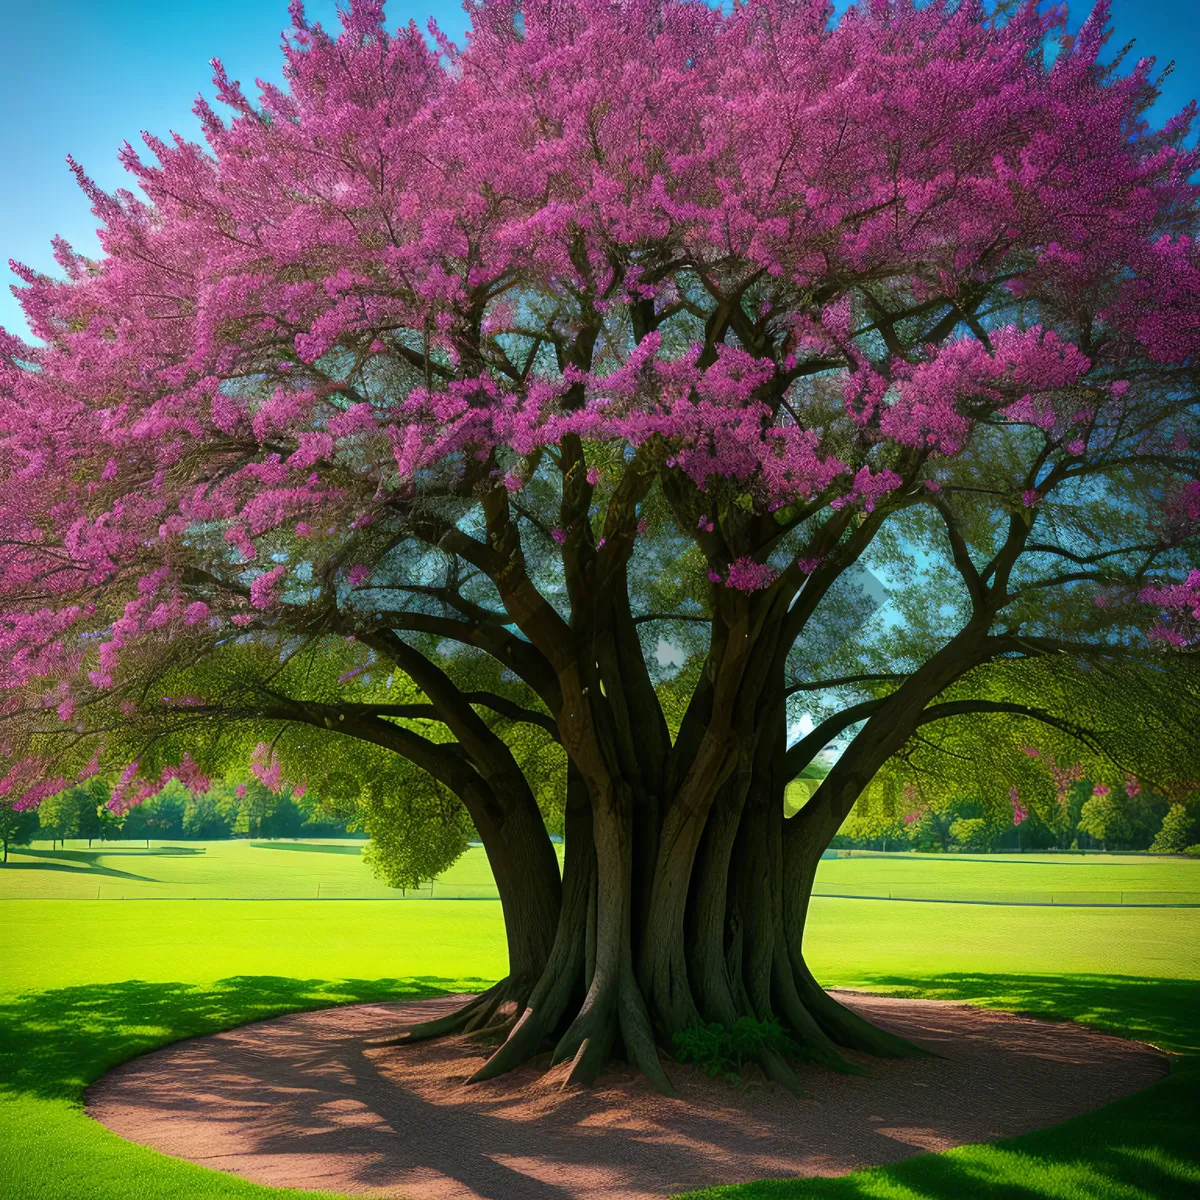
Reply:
x=103, y=851
x=1163, y=1012
x=54, y=1043
x=1142, y=1147
x=355, y=850
x=74, y=862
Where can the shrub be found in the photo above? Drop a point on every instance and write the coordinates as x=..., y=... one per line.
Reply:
x=723, y=1051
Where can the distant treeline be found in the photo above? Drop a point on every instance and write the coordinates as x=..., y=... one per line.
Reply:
x=1080, y=819
x=226, y=810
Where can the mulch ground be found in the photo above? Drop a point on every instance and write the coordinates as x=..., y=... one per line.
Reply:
x=300, y=1101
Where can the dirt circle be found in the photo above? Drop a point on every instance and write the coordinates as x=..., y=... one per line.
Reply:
x=301, y=1102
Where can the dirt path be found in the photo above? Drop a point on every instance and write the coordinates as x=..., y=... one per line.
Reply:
x=300, y=1102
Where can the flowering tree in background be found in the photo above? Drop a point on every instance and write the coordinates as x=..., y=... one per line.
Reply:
x=447, y=387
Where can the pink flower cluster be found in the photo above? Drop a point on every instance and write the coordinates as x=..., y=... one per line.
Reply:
x=281, y=342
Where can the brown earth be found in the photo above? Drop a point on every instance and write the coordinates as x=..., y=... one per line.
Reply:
x=300, y=1101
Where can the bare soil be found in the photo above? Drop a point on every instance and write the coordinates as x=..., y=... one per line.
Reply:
x=301, y=1101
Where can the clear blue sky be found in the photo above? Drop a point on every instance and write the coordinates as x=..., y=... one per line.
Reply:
x=79, y=78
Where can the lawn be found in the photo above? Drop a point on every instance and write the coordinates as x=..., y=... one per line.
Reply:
x=213, y=870
x=84, y=985
x=335, y=870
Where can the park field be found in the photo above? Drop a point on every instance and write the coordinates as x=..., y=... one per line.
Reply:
x=329, y=869
x=87, y=984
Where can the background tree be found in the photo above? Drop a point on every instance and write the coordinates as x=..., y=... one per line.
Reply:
x=1104, y=817
x=489, y=373
x=76, y=812
x=1180, y=829
x=17, y=826
x=58, y=817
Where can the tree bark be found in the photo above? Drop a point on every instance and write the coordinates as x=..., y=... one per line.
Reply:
x=716, y=933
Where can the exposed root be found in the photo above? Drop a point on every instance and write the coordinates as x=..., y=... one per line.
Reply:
x=469, y=1016
x=815, y=1044
x=777, y=1070
x=492, y=1035
x=638, y=1034
x=847, y=1028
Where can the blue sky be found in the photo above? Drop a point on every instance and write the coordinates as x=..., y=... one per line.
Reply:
x=79, y=78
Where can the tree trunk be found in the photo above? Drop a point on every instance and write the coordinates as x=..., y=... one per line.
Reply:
x=716, y=934
x=720, y=938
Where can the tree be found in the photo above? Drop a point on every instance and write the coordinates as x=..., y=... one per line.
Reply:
x=1178, y=830
x=58, y=816
x=1180, y=827
x=1104, y=817
x=160, y=816
x=17, y=825
x=446, y=388
x=74, y=812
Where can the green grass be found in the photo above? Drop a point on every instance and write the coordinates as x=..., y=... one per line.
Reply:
x=1016, y=878
x=84, y=986
x=336, y=870
x=212, y=870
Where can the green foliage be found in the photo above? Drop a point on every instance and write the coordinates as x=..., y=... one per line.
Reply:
x=417, y=831
x=16, y=828
x=78, y=812
x=974, y=833
x=161, y=816
x=1177, y=832
x=723, y=1051
x=1106, y=819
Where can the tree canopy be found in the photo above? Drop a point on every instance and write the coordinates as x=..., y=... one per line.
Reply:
x=484, y=373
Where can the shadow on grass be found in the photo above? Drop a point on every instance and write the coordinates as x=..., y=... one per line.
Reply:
x=74, y=862
x=355, y=850
x=1163, y=1012
x=1144, y=1147
x=54, y=1043
x=105, y=850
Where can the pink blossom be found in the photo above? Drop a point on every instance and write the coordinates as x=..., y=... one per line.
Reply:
x=264, y=765
x=264, y=588
x=746, y=575
x=195, y=612
x=1020, y=812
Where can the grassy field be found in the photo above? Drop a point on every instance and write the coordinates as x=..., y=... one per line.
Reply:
x=335, y=870
x=213, y=870
x=86, y=985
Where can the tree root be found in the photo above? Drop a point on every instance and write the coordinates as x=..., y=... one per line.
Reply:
x=847, y=1028
x=471, y=1016
x=815, y=1044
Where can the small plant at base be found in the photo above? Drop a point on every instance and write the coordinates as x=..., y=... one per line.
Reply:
x=723, y=1051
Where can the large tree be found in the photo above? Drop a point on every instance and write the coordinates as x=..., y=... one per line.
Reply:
x=508, y=377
